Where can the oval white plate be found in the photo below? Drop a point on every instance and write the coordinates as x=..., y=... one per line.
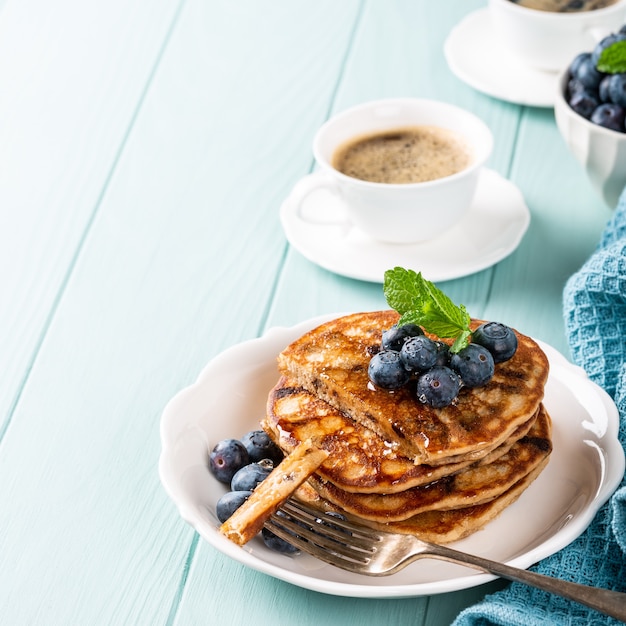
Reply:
x=229, y=399
x=474, y=55
x=490, y=230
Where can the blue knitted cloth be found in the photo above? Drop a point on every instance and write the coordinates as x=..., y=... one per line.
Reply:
x=594, y=303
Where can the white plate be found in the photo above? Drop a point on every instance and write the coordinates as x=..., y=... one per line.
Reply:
x=229, y=398
x=490, y=230
x=475, y=55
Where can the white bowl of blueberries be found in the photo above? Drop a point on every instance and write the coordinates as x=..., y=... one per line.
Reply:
x=590, y=110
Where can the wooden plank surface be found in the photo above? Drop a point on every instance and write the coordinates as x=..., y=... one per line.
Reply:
x=146, y=148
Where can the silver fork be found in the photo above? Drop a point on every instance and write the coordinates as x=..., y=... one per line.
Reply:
x=363, y=550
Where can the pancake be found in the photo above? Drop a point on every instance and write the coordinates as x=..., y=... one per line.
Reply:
x=438, y=526
x=359, y=460
x=476, y=484
x=331, y=363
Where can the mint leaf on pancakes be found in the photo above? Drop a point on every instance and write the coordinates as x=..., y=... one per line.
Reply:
x=419, y=301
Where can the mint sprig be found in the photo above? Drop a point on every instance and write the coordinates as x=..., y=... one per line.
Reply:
x=613, y=59
x=418, y=301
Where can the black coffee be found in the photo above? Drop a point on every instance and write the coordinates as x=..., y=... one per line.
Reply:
x=405, y=155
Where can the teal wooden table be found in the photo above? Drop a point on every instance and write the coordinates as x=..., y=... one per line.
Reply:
x=145, y=150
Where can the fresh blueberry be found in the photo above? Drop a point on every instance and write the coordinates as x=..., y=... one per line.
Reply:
x=617, y=89
x=228, y=456
x=260, y=446
x=443, y=353
x=584, y=103
x=275, y=543
x=386, y=370
x=578, y=59
x=438, y=387
x=229, y=503
x=419, y=353
x=474, y=365
x=587, y=74
x=603, y=89
x=499, y=339
x=574, y=86
x=602, y=45
x=249, y=476
x=394, y=337
x=610, y=116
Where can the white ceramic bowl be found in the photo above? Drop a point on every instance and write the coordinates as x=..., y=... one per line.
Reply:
x=601, y=152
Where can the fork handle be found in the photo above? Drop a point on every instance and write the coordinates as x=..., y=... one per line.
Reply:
x=611, y=603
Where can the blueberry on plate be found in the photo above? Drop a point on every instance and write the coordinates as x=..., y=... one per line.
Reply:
x=249, y=476
x=275, y=543
x=394, y=337
x=228, y=456
x=260, y=446
x=609, y=116
x=438, y=387
x=386, y=370
x=229, y=503
x=499, y=339
x=474, y=365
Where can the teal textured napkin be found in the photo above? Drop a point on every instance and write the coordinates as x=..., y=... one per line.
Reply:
x=594, y=304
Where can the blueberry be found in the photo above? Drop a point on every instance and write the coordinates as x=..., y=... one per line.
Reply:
x=226, y=458
x=575, y=86
x=260, y=446
x=576, y=63
x=588, y=75
x=386, y=370
x=229, y=503
x=274, y=542
x=584, y=103
x=603, y=89
x=249, y=476
x=617, y=89
x=474, y=365
x=394, y=337
x=602, y=45
x=438, y=387
x=419, y=353
x=443, y=353
x=499, y=339
x=610, y=116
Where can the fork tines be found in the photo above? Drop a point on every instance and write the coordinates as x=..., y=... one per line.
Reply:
x=325, y=535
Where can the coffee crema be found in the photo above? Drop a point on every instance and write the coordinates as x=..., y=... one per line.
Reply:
x=564, y=6
x=406, y=155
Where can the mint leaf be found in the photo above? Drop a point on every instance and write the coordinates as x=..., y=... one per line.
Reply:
x=418, y=301
x=613, y=59
x=402, y=289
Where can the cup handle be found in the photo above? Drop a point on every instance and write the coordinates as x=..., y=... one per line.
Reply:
x=311, y=184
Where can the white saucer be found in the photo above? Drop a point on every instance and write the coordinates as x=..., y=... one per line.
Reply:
x=491, y=229
x=476, y=57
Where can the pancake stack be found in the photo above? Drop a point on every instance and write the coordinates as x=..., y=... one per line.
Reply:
x=394, y=462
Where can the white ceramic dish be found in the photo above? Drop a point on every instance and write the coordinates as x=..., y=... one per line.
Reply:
x=491, y=229
x=475, y=56
x=228, y=400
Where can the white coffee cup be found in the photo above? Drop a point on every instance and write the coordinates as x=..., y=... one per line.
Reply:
x=395, y=212
x=549, y=40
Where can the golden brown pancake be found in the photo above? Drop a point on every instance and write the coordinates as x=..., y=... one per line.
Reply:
x=476, y=484
x=438, y=526
x=331, y=363
x=359, y=460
